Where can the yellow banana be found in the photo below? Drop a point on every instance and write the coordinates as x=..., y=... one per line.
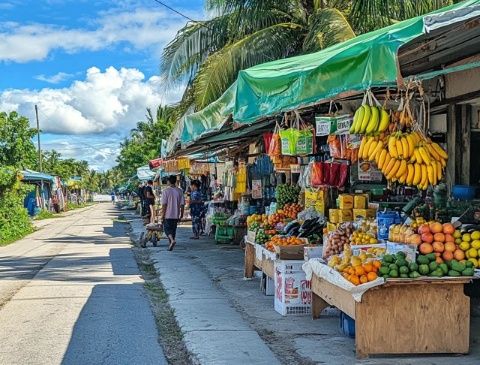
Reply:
x=405, y=147
x=435, y=174
x=439, y=170
x=402, y=170
x=371, y=149
x=410, y=174
x=440, y=150
x=443, y=163
x=388, y=158
x=389, y=166
x=373, y=123
x=370, y=140
x=394, y=169
x=424, y=175
x=376, y=151
x=425, y=156
x=362, y=146
x=381, y=159
x=430, y=174
x=418, y=156
x=401, y=179
x=411, y=145
x=384, y=120
x=392, y=147
x=433, y=153
x=366, y=119
x=398, y=144
x=417, y=176
x=357, y=118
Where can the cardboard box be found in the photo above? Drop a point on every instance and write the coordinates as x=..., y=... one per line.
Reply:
x=345, y=215
x=364, y=213
x=359, y=201
x=331, y=227
x=345, y=201
x=333, y=215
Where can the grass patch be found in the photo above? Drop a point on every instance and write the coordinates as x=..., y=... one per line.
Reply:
x=12, y=239
x=46, y=214
x=170, y=335
x=73, y=206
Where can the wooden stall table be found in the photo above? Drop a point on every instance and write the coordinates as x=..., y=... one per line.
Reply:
x=403, y=316
x=252, y=262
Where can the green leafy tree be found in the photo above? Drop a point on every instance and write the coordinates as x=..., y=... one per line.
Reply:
x=143, y=143
x=208, y=55
x=16, y=146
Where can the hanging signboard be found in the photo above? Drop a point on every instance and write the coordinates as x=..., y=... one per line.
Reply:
x=257, y=189
x=367, y=171
x=332, y=125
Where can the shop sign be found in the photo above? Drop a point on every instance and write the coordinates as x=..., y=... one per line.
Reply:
x=367, y=171
x=332, y=125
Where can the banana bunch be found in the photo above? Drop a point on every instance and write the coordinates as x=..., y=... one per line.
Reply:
x=408, y=158
x=369, y=120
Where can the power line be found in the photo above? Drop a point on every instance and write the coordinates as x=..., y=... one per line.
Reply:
x=175, y=11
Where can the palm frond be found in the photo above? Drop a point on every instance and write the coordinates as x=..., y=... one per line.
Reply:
x=221, y=68
x=326, y=28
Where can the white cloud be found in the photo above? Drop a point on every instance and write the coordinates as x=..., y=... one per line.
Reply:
x=54, y=79
x=142, y=28
x=112, y=101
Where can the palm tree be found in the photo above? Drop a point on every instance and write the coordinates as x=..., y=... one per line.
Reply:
x=207, y=55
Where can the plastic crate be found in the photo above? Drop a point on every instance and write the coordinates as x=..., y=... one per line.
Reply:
x=228, y=231
x=293, y=294
x=347, y=325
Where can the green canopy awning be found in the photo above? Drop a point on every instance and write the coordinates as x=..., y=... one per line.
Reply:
x=368, y=60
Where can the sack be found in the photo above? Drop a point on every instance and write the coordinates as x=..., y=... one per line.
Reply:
x=274, y=147
x=317, y=174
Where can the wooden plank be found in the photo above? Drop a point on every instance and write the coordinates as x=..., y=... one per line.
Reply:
x=334, y=295
x=268, y=268
x=249, y=260
x=318, y=305
x=465, y=143
x=413, y=319
x=432, y=280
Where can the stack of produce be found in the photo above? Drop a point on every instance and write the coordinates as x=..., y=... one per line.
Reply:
x=396, y=266
x=469, y=243
x=337, y=239
x=291, y=210
x=256, y=218
x=263, y=235
x=438, y=239
x=365, y=233
x=283, y=241
x=286, y=194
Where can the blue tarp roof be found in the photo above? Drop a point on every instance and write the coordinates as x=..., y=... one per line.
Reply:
x=30, y=175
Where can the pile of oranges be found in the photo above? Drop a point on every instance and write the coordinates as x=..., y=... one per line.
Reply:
x=361, y=274
x=275, y=218
x=283, y=241
x=291, y=210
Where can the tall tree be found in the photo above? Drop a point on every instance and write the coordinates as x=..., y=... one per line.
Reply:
x=207, y=55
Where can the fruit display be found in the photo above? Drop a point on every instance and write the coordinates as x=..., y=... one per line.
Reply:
x=370, y=120
x=337, y=239
x=264, y=235
x=283, y=241
x=397, y=266
x=365, y=233
x=286, y=194
x=403, y=233
x=469, y=243
x=275, y=218
x=438, y=239
x=291, y=210
x=256, y=218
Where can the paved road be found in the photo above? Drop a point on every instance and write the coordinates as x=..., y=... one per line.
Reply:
x=71, y=294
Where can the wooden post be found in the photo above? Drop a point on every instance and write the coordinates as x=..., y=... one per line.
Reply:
x=249, y=260
x=451, y=146
x=464, y=143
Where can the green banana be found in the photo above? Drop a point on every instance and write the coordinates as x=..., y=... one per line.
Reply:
x=366, y=119
x=373, y=123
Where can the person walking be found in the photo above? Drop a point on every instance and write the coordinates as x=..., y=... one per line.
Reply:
x=196, y=209
x=113, y=197
x=150, y=200
x=173, y=205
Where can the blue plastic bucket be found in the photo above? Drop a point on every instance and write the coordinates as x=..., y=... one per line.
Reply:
x=463, y=192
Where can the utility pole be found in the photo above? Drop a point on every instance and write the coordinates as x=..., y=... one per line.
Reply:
x=38, y=138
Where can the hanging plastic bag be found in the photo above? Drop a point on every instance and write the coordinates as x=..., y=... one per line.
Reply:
x=317, y=174
x=305, y=137
x=274, y=147
x=289, y=138
x=334, y=174
x=334, y=145
x=343, y=175
x=325, y=172
x=267, y=138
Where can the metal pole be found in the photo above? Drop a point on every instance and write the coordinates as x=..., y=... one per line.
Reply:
x=38, y=139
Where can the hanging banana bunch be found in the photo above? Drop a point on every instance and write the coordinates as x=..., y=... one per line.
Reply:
x=370, y=119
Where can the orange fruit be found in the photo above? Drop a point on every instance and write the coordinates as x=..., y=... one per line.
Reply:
x=439, y=237
x=371, y=276
x=359, y=270
x=448, y=228
x=354, y=279
x=377, y=264
x=363, y=279
x=368, y=267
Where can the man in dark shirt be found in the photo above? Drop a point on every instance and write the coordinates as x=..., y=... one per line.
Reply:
x=150, y=199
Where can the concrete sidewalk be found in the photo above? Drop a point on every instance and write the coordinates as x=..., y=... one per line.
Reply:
x=227, y=320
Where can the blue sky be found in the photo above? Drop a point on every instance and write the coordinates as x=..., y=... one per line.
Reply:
x=91, y=66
